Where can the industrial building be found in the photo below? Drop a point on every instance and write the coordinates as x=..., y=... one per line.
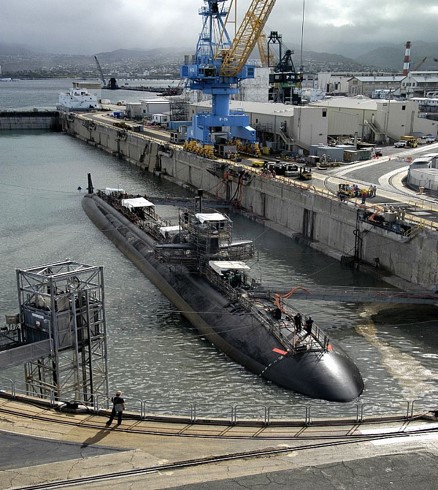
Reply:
x=369, y=85
x=413, y=84
x=288, y=127
x=375, y=120
x=420, y=84
x=280, y=126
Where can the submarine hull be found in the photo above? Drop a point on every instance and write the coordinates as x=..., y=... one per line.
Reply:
x=329, y=374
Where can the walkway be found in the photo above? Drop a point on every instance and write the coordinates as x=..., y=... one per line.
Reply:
x=44, y=448
x=364, y=295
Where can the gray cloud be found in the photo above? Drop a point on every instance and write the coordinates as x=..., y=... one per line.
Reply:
x=86, y=27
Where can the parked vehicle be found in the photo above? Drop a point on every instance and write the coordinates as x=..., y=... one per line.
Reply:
x=305, y=173
x=291, y=170
x=400, y=144
x=411, y=141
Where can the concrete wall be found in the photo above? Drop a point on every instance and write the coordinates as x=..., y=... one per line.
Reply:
x=29, y=120
x=328, y=224
x=136, y=148
x=293, y=208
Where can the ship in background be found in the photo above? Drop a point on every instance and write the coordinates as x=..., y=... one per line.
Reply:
x=78, y=97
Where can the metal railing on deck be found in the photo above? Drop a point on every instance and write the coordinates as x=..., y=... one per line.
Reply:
x=233, y=414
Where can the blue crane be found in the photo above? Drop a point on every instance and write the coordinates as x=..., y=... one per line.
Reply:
x=216, y=69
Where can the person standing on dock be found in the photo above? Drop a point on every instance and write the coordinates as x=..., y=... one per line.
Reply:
x=118, y=407
x=298, y=320
x=309, y=323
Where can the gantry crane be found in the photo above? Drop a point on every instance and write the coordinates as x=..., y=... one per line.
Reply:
x=217, y=67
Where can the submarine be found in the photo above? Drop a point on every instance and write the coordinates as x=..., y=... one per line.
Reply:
x=196, y=264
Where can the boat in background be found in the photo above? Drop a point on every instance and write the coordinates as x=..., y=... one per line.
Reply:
x=202, y=271
x=77, y=99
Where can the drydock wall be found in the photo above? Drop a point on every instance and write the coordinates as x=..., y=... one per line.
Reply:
x=290, y=207
x=20, y=120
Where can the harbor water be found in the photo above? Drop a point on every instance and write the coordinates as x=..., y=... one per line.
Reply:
x=43, y=94
x=154, y=353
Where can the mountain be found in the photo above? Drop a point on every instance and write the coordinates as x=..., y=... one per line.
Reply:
x=152, y=56
x=21, y=60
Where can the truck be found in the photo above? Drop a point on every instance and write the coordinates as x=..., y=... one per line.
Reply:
x=411, y=141
x=160, y=119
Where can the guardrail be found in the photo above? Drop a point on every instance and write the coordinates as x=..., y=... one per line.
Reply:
x=234, y=414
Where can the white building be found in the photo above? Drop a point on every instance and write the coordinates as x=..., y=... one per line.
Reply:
x=420, y=84
x=355, y=83
x=282, y=126
x=376, y=120
x=333, y=83
x=134, y=110
x=149, y=107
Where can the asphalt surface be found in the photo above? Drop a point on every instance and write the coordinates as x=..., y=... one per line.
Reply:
x=398, y=471
x=386, y=173
x=36, y=451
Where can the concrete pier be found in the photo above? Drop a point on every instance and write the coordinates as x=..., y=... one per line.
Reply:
x=44, y=448
x=293, y=208
x=36, y=119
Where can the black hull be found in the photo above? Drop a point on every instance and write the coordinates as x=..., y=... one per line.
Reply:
x=329, y=375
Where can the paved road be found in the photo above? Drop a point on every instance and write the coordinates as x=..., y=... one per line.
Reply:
x=386, y=173
x=398, y=471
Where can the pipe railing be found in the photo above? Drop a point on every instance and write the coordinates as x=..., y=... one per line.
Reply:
x=358, y=411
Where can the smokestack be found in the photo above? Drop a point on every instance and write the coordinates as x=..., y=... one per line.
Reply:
x=407, y=58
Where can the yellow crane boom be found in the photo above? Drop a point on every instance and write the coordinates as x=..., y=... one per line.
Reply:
x=246, y=37
x=262, y=42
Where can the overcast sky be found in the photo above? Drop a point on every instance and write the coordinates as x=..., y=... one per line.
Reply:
x=93, y=26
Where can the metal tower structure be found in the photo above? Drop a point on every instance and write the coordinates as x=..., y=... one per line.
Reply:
x=274, y=48
x=285, y=81
x=62, y=304
x=407, y=58
x=217, y=67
